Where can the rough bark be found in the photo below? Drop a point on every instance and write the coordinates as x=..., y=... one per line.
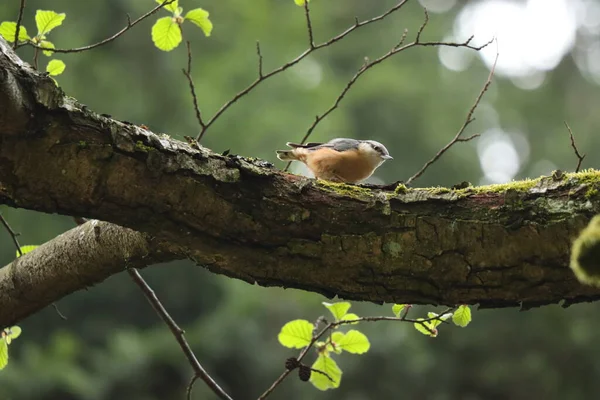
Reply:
x=497, y=246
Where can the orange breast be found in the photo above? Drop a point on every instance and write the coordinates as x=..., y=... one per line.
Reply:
x=347, y=166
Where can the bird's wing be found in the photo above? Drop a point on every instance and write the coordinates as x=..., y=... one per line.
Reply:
x=304, y=146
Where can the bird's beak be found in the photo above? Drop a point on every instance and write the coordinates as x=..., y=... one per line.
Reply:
x=387, y=157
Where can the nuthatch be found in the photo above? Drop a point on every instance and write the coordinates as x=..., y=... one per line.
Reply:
x=339, y=160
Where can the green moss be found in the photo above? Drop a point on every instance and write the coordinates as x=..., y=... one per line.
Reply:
x=401, y=188
x=82, y=144
x=591, y=192
x=140, y=146
x=343, y=188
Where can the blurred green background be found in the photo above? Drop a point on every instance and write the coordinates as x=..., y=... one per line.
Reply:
x=113, y=346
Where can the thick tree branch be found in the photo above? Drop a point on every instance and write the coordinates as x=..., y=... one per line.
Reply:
x=498, y=246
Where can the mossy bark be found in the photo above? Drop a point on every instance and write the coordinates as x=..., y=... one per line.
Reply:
x=498, y=246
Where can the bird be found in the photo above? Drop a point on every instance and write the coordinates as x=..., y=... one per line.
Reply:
x=339, y=160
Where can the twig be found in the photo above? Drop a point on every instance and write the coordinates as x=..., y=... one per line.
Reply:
x=36, y=54
x=574, y=146
x=188, y=75
x=369, y=64
x=249, y=88
x=332, y=325
x=130, y=25
x=179, y=336
x=19, y=19
x=12, y=234
x=457, y=138
x=260, y=60
x=311, y=41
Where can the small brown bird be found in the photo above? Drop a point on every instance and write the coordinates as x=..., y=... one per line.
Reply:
x=339, y=160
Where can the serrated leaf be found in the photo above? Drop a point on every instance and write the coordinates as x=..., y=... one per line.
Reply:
x=8, y=29
x=300, y=2
x=353, y=341
x=435, y=322
x=199, y=17
x=338, y=310
x=48, y=20
x=45, y=43
x=327, y=365
x=166, y=34
x=27, y=249
x=12, y=333
x=3, y=353
x=171, y=6
x=296, y=334
x=397, y=309
x=350, y=317
x=425, y=328
x=55, y=67
x=462, y=316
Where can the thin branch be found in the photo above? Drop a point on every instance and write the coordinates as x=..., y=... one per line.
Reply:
x=331, y=325
x=260, y=79
x=179, y=335
x=130, y=25
x=311, y=40
x=260, y=60
x=457, y=138
x=188, y=75
x=19, y=19
x=422, y=27
x=12, y=234
x=574, y=146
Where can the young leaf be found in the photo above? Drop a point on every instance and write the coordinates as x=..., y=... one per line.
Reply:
x=397, y=309
x=11, y=333
x=48, y=20
x=300, y=2
x=45, y=43
x=166, y=34
x=170, y=7
x=199, y=17
x=8, y=29
x=327, y=365
x=27, y=249
x=462, y=316
x=296, y=334
x=353, y=341
x=338, y=310
x=334, y=347
x=350, y=317
x=426, y=328
x=55, y=67
x=435, y=322
x=3, y=353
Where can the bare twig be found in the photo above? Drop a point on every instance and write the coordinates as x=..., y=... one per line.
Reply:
x=188, y=75
x=19, y=19
x=260, y=79
x=179, y=336
x=260, y=60
x=457, y=138
x=12, y=234
x=311, y=40
x=130, y=25
x=331, y=325
x=574, y=146
x=369, y=64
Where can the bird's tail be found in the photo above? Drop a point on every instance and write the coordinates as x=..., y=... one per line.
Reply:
x=286, y=155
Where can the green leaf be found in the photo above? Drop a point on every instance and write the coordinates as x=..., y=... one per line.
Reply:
x=3, y=353
x=27, y=249
x=435, y=322
x=462, y=316
x=397, y=309
x=170, y=7
x=199, y=17
x=12, y=333
x=45, y=43
x=350, y=317
x=426, y=328
x=166, y=34
x=8, y=29
x=327, y=365
x=55, y=67
x=296, y=334
x=300, y=2
x=48, y=20
x=353, y=341
x=338, y=310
